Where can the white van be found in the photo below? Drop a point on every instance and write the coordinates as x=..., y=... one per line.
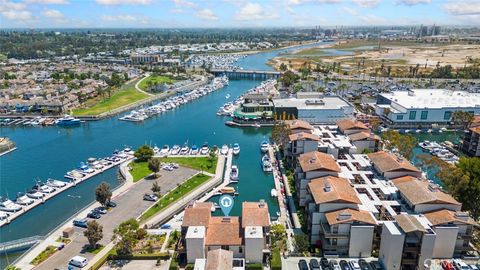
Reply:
x=78, y=261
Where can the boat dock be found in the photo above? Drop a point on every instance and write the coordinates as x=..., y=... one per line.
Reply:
x=73, y=182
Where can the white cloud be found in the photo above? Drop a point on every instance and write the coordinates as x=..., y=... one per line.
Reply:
x=350, y=11
x=123, y=2
x=184, y=3
x=176, y=10
x=18, y=15
x=254, y=11
x=412, y=2
x=7, y=6
x=125, y=19
x=371, y=19
x=207, y=14
x=367, y=3
x=53, y=13
x=459, y=8
x=301, y=2
x=47, y=2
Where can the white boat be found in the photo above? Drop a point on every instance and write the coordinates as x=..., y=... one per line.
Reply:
x=67, y=121
x=55, y=183
x=204, y=150
x=236, y=149
x=234, y=171
x=9, y=206
x=227, y=96
x=273, y=192
x=264, y=146
x=194, y=150
x=224, y=149
x=23, y=199
x=175, y=150
x=185, y=149
x=3, y=215
x=266, y=164
x=35, y=194
x=165, y=150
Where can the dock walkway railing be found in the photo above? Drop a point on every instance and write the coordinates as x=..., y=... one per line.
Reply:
x=20, y=244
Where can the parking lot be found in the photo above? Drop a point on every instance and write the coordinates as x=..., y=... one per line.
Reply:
x=130, y=204
x=292, y=263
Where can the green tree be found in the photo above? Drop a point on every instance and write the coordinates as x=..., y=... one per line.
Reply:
x=300, y=242
x=154, y=166
x=280, y=133
x=279, y=236
x=289, y=78
x=103, y=194
x=93, y=233
x=12, y=267
x=463, y=119
x=125, y=236
x=156, y=188
x=144, y=153
x=463, y=181
x=283, y=67
x=404, y=143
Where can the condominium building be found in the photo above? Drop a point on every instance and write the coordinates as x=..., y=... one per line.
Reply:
x=392, y=166
x=471, y=142
x=246, y=236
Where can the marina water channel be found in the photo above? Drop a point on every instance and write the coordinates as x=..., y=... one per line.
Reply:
x=50, y=152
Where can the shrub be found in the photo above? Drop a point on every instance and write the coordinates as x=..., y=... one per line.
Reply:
x=276, y=262
x=254, y=266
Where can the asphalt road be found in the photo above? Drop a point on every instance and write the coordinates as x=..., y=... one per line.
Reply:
x=130, y=204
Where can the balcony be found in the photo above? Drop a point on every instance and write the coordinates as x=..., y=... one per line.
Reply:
x=327, y=232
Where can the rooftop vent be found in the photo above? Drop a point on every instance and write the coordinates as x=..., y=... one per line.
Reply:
x=399, y=158
x=462, y=215
x=226, y=220
x=312, y=160
x=327, y=187
x=344, y=216
x=195, y=230
x=253, y=231
x=262, y=203
x=314, y=102
x=432, y=187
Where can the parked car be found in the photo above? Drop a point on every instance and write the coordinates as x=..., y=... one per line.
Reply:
x=354, y=265
x=302, y=265
x=166, y=226
x=150, y=197
x=344, y=265
x=314, y=265
x=334, y=265
x=447, y=265
x=94, y=215
x=460, y=265
x=80, y=222
x=111, y=204
x=364, y=265
x=375, y=265
x=324, y=264
x=78, y=261
x=101, y=210
x=473, y=267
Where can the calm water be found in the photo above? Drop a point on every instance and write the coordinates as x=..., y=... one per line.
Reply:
x=49, y=152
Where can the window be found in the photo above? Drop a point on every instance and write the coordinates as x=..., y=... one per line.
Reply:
x=447, y=115
x=412, y=116
x=225, y=247
x=424, y=115
x=399, y=117
x=240, y=250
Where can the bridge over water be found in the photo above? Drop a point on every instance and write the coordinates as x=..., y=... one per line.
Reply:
x=19, y=244
x=243, y=73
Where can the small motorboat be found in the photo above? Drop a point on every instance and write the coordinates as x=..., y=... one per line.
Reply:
x=234, y=173
x=55, y=183
x=8, y=206
x=264, y=146
x=273, y=192
x=194, y=150
x=236, y=149
x=35, y=194
x=266, y=164
x=227, y=190
x=43, y=188
x=165, y=150
x=224, y=149
x=204, y=150
x=23, y=199
x=185, y=149
x=175, y=150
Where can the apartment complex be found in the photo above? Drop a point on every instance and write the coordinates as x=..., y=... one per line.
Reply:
x=425, y=107
x=357, y=204
x=246, y=237
x=471, y=139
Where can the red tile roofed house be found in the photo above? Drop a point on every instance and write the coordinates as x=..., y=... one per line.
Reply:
x=471, y=140
x=219, y=259
x=454, y=232
x=349, y=126
x=390, y=166
x=245, y=236
x=296, y=126
x=313, y=165
x=365, y=140
x=327, y=194
x=300, y=143
x=421, y=196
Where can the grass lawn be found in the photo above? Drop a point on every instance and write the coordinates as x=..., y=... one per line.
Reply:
x=95, y=250
x=175, y=194
x=44, y=255
x=139, y=170
x=118, y=99
x=194, y=162
x=154, y=79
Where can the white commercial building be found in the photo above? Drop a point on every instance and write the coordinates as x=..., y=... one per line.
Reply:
x=425, y=107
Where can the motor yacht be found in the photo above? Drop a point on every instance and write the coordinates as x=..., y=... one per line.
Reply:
x=3, y=215
x=175, y=150
x=74, y=174
x=68, y=121
x=43, y=188
x=194, y=150
x=266, y=164
x=227, y=96
x=55, y=183
x=165, y=150
x=234, y=173
x=264, y=146
x=224, y=149
x=236, y=149
x=9, y=206
x=23, y=199
x=204, y=150
x=273, y=193
x=185, y=149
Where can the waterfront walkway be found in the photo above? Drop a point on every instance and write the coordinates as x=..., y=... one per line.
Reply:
x=138, y=87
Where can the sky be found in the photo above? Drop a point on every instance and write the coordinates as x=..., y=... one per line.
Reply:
x=234, y=13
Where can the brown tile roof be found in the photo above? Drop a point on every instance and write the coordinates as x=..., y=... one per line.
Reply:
x=298, y=124
x=475, y=129
x=363, y=136
x=421, y=192
x=346, y=124
x=409, y=223
x=223, y=231
x=303, y=136
x=388, y=162
x=315, y=160
x=219, y=259
x=446, y=216
x=332, y=189
x=349, y=215
x=255, y=214
x=197, y=214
